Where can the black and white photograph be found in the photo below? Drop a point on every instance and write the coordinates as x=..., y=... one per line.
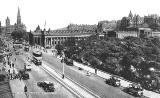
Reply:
x=79, y=49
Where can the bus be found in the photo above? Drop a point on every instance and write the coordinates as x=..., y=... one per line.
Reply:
x=37, y=57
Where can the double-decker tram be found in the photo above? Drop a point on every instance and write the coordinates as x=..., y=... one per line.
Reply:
x=17, y=45
x=26, y=47
x=37, y=57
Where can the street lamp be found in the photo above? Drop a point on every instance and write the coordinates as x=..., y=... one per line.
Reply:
x=63, y=55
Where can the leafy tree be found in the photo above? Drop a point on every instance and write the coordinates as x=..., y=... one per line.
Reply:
x=59, y=48
x=70, y=42
x=18, y=34
x=124, y=23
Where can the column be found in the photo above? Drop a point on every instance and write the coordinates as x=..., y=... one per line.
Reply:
x=51, y=41
x=40, y=41
x=45, y=42
x=33, y=40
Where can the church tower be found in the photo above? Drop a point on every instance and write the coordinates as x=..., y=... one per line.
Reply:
x=130, y=16
x=7, y=22
x=18, y=17
x=7, y=25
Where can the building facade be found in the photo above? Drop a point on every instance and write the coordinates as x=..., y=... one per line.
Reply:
x=51, y=38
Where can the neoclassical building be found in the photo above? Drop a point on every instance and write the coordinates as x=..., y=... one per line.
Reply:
x=51, y=38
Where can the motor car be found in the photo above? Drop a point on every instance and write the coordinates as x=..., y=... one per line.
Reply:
x=68, y=61
x=10, y=54
x=46, y=86
x=48, y=47
x=24, y=75
x=135, y=90
x=114, y=81
x=17, y=53
x=28, y=67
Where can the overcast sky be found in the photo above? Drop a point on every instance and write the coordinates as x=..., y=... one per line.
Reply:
x=60, y=13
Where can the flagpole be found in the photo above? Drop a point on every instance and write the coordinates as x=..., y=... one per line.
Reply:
x=45, y=25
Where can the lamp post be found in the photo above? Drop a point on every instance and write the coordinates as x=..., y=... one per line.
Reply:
x=63, y=65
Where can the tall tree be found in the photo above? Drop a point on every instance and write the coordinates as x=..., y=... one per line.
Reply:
x=124, y=23
x=0, y=27
x=19, y=35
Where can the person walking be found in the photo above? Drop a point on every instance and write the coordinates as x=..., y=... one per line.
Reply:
x=25, y=91
x=20, y=77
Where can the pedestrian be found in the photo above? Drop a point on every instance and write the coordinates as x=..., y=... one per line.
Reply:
x=12, y=65
x=20, y=77
x=11, y=76
x=25, y=91
x=25, y=88
x=95, y=70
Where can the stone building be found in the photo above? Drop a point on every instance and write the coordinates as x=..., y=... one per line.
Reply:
x=8, y=28
x=135, y=20
x=51, y=38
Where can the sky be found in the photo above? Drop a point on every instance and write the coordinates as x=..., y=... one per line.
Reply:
x=60, y=13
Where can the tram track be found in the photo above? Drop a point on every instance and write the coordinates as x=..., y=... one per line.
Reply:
x=78, y=90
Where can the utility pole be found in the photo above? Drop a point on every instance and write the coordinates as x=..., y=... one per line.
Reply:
x=63, y=56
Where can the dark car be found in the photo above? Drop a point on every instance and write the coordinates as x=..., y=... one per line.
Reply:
x=114, y=81
x=135, y=90
x=24, y=75
x=67, y=61
x=47, y=86
x=17, y=53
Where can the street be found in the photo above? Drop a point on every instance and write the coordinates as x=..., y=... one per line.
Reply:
x=101, y=89
x=37, y=75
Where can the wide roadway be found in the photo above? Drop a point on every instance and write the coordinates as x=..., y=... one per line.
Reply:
x=36, y=75
x=93, y=82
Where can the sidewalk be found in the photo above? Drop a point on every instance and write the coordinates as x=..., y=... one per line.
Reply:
x=17, y=88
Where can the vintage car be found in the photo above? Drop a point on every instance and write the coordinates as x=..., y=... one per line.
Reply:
x=28, y=67
x=17, y=53
x=114, y=81
x=46, y=85
x=135, y=90
x=24, y=75
x=68, y=61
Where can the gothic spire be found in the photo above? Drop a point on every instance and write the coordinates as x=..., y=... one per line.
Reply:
x=130, y=15
x=18, y=17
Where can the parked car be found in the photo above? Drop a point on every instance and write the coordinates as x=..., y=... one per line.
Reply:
x=24, y=75
x=46, y=85
x=68, y=61
x=114, y=81
x=17, y=53
x=135, y=90
x=28, y=67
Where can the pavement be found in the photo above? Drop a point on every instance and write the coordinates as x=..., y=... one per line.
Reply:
x=17, y=88
x=17, y=85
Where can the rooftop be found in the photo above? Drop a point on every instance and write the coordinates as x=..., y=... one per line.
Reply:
x=66, y=32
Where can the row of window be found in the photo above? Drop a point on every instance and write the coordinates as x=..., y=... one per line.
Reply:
x=65, y=38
